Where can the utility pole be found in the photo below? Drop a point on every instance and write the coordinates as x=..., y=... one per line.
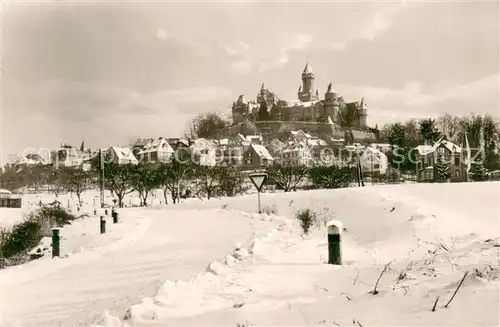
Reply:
x=101, y=177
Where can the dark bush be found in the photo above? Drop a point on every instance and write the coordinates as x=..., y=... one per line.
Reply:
x=307, y=218
x=14, y=244
x=332, y=176
x=22, y=237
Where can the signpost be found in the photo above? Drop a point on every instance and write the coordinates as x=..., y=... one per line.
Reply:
x=258, y=180
x=101, y=177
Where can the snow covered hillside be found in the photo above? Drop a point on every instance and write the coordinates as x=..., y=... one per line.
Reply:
x=418, y=240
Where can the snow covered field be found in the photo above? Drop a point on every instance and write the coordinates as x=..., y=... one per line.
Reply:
x=429, y=234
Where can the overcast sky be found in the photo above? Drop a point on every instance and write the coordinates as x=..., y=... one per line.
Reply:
x=109, y=72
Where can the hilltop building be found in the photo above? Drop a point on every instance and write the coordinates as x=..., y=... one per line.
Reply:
x=269, y=114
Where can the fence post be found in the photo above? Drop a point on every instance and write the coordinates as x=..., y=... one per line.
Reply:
x=56, y=242
x=103, y=224
x=334, y=242
x=114, y=214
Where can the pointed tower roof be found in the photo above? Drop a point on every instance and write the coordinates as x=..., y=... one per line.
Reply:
x=262, y=87
x=307, y=69
x=241, y=99
x=330, y=88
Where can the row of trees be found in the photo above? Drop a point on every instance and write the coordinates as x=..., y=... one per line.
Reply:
x=176, y=179
x=483, y=134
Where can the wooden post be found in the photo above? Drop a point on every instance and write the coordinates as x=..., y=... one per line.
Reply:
x=103, y=224
x=334, y=242
x=114, y=214
x=56, y=245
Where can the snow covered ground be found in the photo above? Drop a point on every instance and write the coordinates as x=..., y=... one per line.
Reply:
x=115, y=270
x=429, y=234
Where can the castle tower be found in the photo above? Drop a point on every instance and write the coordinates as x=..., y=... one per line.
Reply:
x=307, y=92
x=240, y=109
x=363, y=114
x=331, y=103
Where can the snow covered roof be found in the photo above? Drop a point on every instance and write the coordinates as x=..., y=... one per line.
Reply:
x=123, y=153
x=300, y=133
x=251, y=138
x=157, y=145
x=369, y=150
x=427, y=149
x=298, y=103
x=424, y=149
x=317, y=142
x=262, y=151
x=448, y=145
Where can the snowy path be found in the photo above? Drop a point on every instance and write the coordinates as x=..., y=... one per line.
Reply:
x=172, y=246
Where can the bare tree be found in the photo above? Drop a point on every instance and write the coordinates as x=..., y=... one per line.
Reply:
x=208, y=179
x=118, y=179
x=56, y=181
x=171, y=175
x=77, y=181
x=144, y=179
x=287, y=178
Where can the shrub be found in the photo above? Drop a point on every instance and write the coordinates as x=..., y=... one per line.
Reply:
x=22, y=237
x=14, y=244
x=270, y=210
x=332, y=176
x=307, y=218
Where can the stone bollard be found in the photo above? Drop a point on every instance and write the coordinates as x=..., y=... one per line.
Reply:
x=56, y=242
x=103, y=224
x=114, y=214
x=334, y=242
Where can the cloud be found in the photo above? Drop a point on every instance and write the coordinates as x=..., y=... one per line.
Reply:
x=301, y=42
x=237, y=49
x=161, y=34
x=249, y=61
x=68, y=110
x=241, y=67
x=386, y=105
x=379, y=23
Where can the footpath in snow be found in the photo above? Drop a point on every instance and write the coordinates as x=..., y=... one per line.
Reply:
x=115, y=270
x=417, y=241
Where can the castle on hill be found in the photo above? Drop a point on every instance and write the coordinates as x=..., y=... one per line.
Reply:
x=268, y=114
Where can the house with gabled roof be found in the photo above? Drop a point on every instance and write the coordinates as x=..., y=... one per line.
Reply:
x=155, y=151
x=66, y=156
x=121, y=156
x=374, y=161
x=257, y=156
x=298, y=154
x=204, y=152
x=451, y=155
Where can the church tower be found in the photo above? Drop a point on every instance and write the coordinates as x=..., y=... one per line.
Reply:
x=307, y=91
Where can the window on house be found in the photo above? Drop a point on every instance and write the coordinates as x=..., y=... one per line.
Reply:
x=457, y=160
x=457, y=173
